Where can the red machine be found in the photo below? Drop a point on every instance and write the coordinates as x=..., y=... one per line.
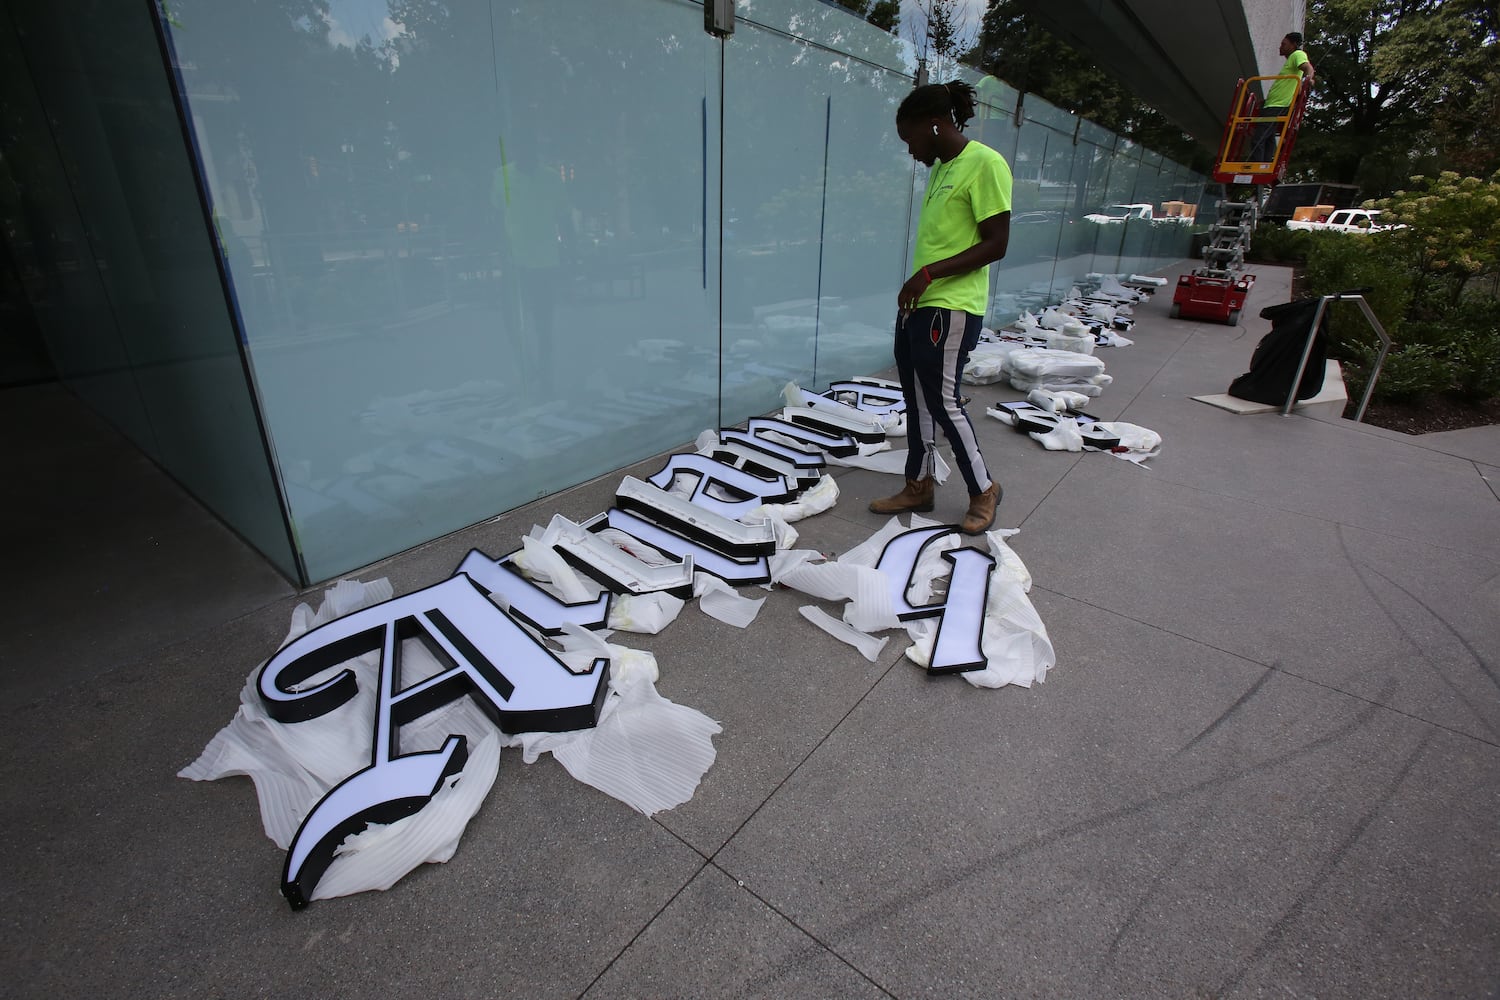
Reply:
x=1217, y=290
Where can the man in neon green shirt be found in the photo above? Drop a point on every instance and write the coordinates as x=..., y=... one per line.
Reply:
x=964, y=227
x=1283, y=93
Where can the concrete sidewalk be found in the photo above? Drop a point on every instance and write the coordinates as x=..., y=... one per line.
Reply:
x=1266, y=764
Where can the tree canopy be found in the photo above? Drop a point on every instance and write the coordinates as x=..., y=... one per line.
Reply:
x=1402, y=86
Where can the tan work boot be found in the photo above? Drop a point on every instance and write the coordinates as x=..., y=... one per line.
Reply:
x=916, y=496
x=982, y=510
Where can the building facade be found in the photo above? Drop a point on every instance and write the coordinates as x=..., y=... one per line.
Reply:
x=359, y=273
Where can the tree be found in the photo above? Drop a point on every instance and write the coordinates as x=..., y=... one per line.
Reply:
x=939, y=35
x=1402, y=86
x=884, y=14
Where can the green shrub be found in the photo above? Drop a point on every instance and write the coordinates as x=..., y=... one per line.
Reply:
x=1341, y=262
x=1409, y=371
x=1476, y=363
x=1274, y=243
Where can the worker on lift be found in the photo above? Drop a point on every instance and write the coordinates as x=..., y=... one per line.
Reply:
x=1283, y=94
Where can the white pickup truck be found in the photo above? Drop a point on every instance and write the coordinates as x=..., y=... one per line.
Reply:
x=1345, y=220
x=1120, y=213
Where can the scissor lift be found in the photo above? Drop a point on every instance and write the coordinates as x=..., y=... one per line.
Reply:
x=1247, y=155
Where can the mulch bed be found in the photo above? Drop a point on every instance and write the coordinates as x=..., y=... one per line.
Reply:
x=1428, y=415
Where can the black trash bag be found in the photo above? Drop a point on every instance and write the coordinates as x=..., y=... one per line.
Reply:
x=1274, y=363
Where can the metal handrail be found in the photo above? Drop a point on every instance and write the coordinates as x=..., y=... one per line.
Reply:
x=1385, y=346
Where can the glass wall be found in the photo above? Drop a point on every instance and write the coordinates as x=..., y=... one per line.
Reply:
x=477, y=253
x=471, y=245
x=816, y=193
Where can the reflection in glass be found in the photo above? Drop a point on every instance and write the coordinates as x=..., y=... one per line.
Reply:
x=467, y=243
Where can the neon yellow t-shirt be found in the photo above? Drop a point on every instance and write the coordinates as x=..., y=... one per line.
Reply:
x=1283, y=92
x=973, y=186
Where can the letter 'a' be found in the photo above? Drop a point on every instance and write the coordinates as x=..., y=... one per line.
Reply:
x=515, y=679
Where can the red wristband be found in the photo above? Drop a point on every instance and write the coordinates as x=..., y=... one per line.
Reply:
x=926, y=274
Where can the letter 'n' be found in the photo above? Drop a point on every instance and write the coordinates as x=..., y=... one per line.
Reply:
x=515, y=679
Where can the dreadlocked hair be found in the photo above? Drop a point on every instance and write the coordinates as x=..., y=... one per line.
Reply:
x=955, y=99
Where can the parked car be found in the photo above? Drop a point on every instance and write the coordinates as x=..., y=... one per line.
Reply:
x=1119, y=213
x=1345, y=220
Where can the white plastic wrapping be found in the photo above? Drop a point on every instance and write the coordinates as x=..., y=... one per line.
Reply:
x=868, y=645
x=1044, y=362
x=646, y=751
x=819, y=497
x=719, y=600
x=1139, y=444
x=1079, y=340
x=1064, y=437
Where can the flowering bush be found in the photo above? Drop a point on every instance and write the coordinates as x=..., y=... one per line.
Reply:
x=1434, y=283
x=1452, y=239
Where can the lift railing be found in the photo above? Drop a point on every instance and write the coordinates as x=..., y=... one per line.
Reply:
x=1246, y=153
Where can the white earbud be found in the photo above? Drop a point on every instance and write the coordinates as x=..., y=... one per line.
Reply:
x=934, y=130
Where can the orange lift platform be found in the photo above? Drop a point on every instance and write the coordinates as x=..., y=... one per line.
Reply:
x=1253, y=151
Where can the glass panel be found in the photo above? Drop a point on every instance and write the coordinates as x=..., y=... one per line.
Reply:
x=865, y=228
x=1023, y=280
x=136, y=315
x=832, y=26
x=777, y=125
x=455, y=299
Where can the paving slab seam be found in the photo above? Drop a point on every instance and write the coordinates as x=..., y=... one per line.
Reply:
x=895, y=661
x=834, y=952
x=977, y=867
x=646, y=924
x=1386, y=434
x=1479, y=467
x=1275, y=665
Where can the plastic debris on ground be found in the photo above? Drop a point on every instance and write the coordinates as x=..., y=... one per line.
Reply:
x=1015, y=642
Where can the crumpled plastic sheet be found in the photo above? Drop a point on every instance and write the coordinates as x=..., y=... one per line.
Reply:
x=983, y=369
x=1053, y=318
x=893, y=463
x=1046, y=362
x=719, y=600
x=1064, y=437
x=853, y=578
x=1078, y=341
x=542, y=563
x=1057, y=402
x=1142, y=443
x=817, y=498
x=646, y=614
x=1092, y=386
x=990, y=361
x=868, y=645
x=646, y=751
x=1015, y=640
